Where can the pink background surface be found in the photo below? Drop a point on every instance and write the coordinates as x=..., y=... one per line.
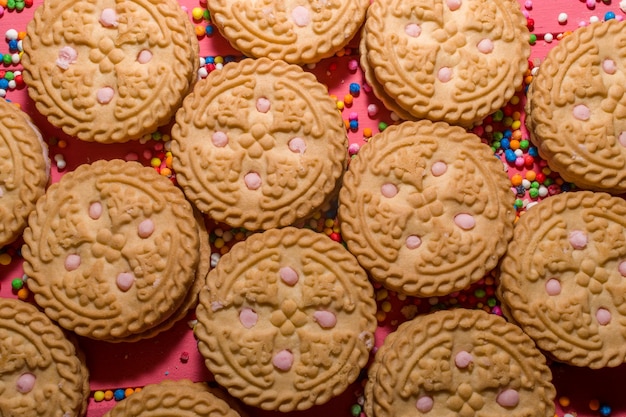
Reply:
x=115, y=366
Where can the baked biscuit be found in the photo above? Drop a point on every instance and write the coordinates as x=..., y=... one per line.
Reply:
x=448, y=60
x=461, y=363
x=426, y=208
x=43, y=372
x=109, y=71
x=259, y=144
x=576, y=108
x=111, y=249
x=24, y=170
x=287, y=320
x=562, y=279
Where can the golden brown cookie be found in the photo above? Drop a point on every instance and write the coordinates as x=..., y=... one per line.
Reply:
x=461, y=363
x=562, y=278
x=259, y=144
x=182, y=398
x=447, y=60
x=426, y=208
x=576, y=111
x=111, y=249
x=42, y=372
x=295, y=32
x=287, y=320
x=109, y=71
x=24, y=169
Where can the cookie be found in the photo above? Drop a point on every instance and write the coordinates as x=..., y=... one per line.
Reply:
x=455, y=60
x=24, y=170
x=109, y=72
x=562, y=278
x=259, y=144
x=182, y=398
x=426, y=208
x=111, y=249
x=576, y=114
x=295, y=32
x=287, y=319
x=43, y=373
x=459, y=362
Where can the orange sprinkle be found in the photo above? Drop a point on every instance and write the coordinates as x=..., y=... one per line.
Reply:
x=200, y=31
x=224, y=250
x=367, y=132
x=531, y=175
x=62, y=144
x=514, y=144
x=594, y=405
x=516, y=180
x=22, y=293
x=348, y=99
x=21, y=35
x=516, y=135
x=128, y=392
x=564, y=401
x=108, y=395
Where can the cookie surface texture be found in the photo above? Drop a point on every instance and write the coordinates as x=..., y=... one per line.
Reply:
x=287, y=320
x=426, y=208
x=462, y=363
x=24, y=170
x=293, y=31
x=576, y=112
x=43, y=374
x=448, y=60
x=111, y=249
x=259, y=144
x=563, y=277
x=181, y=398
x=109, y=71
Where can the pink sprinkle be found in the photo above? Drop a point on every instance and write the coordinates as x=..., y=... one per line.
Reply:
x=353, y=116
x=485, y=46
x=389, y=190
x=353, y=65
x=463, y=359
x=603, y=316
x=297, y=145
x=465, y=221
x=582, y=112
x=591, y=4
x=301, y=16
x=413, y=242
x=283, y=360
x=622, y=138
x=248, y=317
x=622, y=268
x=145, y=228
x=288, y=275
x=219, y=139
x=508, y=398
x=354, y=148
x=326, y=319
x=424, y=404
x=67, y=56
x=105, y=95
x=413, y=30
x=444, y=74
x=372, y=110
x=25, y=383
x=125, y=280
x=609, y=66
x=72, y=262
x=553, y=287
x=108, y=18
x=184, y=357
x=578, y=239
x=252, y=180
x=439, y=168
x=528, y=4
x=263, y=105
x=95, y=210
x=144, y=56
x=453, y=4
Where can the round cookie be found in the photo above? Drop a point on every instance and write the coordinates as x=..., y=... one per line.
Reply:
x=426, y=208
x=295, y=32
x=562, y=279
x=459, y=362
x=259, y=144
x=111, y=249
x=448, y=60
x=182, y=398
x=287, y=320
x=109, y=71
x=24, y=170
x=576, y=111
x=43, y=373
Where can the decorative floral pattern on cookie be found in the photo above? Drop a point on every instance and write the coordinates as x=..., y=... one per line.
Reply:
x=459, y=362
x=259, y=144
x=182, y=398
x=109, y=72
x=426, y=208
x=577, y=107
x=24, y=169
x=42, y=373
x=287, y=320
x=295, y=32
x=448, y=60
x=562, y=278
x=111, y=249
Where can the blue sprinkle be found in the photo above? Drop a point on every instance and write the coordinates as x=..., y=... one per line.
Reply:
x=355, y=89
x=209, y=30
x=609, y=16
x=520, y=190
x=4, y=83
x=209, y=60
x=510, y=156
x=532, y=151
x=354, y=124
x=605, y=410
x=118, y=394
x=13, y=44
x=505, y=143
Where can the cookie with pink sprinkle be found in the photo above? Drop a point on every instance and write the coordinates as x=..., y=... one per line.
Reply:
x=287, y=319
x=576, y=112
x=109, y=71
x=562, y=279
x=459, y=363
x=111, y=250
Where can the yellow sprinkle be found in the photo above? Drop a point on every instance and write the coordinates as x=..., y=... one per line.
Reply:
x=386, y=306
x=219, y=243
x=329, y=222
x=340, y=105
x=516, y=125
x=197, y=13
x=514, y=100
x=382, y=294
x=155, y=162
x=218, y=60
x=98, y=396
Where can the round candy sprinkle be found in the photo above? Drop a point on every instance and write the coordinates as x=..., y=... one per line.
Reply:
x=562, y=18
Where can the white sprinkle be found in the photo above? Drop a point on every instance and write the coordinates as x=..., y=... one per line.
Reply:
x=548, y=37
x=562, y=17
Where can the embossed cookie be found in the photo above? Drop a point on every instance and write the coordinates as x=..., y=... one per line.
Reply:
x=562, y=278
x=42, y=372
x=109, y=71
x=287, y=319
x=576, y=112
x=182, y=398
x=295, y=32
x=461, y=363
x=259, y=144
x=24, y=169
x=447, y=60
x=111, y=250
x=426, y=208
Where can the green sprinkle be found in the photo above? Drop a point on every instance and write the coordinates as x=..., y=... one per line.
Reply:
x=532, y=39
x=17, y=284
